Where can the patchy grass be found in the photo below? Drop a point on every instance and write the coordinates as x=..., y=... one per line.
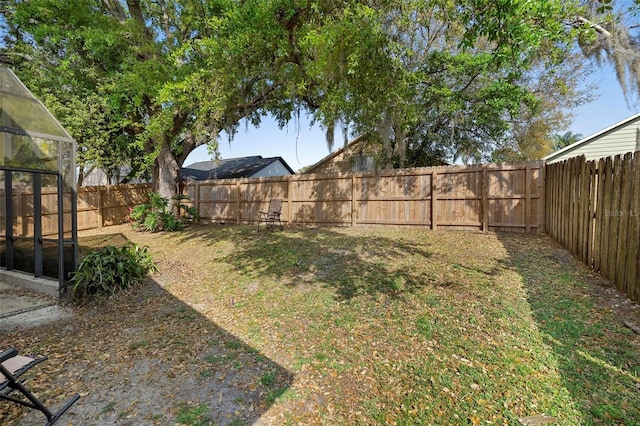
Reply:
x=395, y=326
x=193, y=416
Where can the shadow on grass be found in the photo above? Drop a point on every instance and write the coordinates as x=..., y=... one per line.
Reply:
x=448, y=311
x=351, y=265
x=597, y=358
x=145, y=357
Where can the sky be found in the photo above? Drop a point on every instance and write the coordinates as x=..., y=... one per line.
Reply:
x=300, y=144
x=609, y=108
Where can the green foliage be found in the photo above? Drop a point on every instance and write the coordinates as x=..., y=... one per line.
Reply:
x=450, y=78
x=110, y=269
x=193, y=415
x=268, y=379
x=156, y=215
x=563, y=140
x=162, y=78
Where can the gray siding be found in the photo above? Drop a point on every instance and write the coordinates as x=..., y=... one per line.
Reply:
x=619, y=140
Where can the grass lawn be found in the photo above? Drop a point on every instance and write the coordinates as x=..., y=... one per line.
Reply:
x=354, y=326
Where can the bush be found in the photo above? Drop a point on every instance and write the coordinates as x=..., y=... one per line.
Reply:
x=155, y=215
x=106, y=271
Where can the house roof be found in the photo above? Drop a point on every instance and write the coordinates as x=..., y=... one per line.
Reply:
x=331, y=156
x=592, y=137
x=337, y=152
x=230, y=168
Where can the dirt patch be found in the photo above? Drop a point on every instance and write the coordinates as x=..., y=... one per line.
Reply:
x=145, y=358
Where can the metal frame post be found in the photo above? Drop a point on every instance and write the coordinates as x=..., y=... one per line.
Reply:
x=60, y=232
x=37, y=224
x=8, y=193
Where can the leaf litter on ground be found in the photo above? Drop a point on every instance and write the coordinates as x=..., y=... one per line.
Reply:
x=345, y=326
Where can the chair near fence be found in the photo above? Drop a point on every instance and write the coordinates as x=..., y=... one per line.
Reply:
x=272, y=215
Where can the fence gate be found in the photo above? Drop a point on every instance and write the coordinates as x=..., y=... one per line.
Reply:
x=23, y=247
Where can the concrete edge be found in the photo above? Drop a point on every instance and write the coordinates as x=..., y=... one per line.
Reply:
x=35, y=318
x=24, y=280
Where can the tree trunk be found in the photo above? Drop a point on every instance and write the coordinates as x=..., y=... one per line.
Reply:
x=166, y=172
x=81, y=175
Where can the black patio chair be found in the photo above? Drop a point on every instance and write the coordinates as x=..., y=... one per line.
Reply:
x=12, y=366
x=272, y=215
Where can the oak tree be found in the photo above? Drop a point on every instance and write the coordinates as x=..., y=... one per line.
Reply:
x=148, y=81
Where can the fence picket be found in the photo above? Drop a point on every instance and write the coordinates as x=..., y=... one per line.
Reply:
x=633, y=246
x=599, y=219
x=614, y=220
x=623, y=223
x=595, y=208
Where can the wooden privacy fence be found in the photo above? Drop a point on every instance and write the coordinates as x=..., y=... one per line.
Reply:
x=593, y=209
x=98, y=206
x=496, y=197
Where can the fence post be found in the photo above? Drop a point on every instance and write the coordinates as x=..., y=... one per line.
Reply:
x=289, y=217
x=542, y=196
x=100, y=208
x=197, y=197
x=434, y=199
x=527, y=198
x=238, y=211
x=353, y=200
x=485, y=199
x=599, y=219
x=585, y=217
x=593, y=188
x=549, y=195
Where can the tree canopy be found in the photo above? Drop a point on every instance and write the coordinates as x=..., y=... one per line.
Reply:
x=614, y=39
x=563, y=140
x=146, y=82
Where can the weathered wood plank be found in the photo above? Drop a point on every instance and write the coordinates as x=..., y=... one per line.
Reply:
x=614, y=213
x=542, y=200
x=599, y=219
x=623, y=224
x=566, y=206
x=606, y=212
x=585, y=201
x=593, y=187
x=633, y=251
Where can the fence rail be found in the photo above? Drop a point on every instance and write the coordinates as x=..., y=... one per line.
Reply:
x=593, y=209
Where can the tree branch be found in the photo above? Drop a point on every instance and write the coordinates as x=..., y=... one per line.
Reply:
x=255, y=103
x=599, y=28
x=189, y=143
x=115, y=9
x=136, y=11
x=165, y=19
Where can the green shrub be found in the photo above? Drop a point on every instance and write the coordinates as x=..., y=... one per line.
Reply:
x=110, y=269
x=155, y=215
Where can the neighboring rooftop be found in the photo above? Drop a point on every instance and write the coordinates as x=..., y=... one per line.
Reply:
x=241, y=167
